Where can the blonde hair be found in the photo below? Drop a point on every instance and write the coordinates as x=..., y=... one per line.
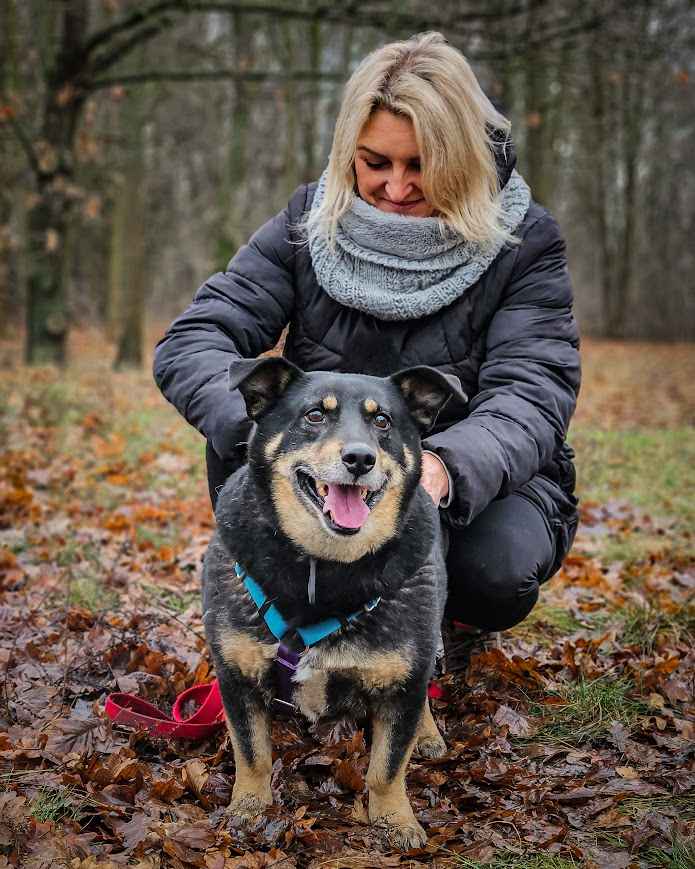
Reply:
x=427, y=80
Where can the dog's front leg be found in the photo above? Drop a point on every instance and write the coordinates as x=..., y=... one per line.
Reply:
x=394, y=730
x=249, y=727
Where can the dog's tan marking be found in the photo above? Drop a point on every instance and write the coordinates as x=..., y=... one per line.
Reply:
x=371, y=406
x=241, y=650
x=383, y=669
x=302, y=527
x=251, y=792
x=272, y=446
x=409, y=459
x=374, y=670
x=310, y=695
x=388, y=801
x=329, y=402
x=429, y=739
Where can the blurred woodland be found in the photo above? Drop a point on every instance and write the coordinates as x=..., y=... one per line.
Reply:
x=142, y=141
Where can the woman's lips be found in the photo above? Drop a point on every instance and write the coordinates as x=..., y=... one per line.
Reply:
x=400, y=206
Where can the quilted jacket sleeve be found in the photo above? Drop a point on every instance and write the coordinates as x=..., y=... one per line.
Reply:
x=238, y=313
x=528, y=382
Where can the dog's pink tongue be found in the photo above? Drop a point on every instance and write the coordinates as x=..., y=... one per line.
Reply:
x=346, y=505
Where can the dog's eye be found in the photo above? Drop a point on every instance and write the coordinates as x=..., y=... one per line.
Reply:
x=315, y=416
x=382, y=421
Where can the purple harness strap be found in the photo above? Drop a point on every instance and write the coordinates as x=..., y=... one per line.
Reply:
x=286, y=663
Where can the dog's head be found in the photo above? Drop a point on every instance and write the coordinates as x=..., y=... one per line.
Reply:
x=339, y=453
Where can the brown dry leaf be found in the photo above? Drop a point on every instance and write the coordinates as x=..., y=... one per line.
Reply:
x=348, y=776
x=195, y=776
x=261, y=860
x=628, y=772
x=135, y=832
x=519, y=725
x=167, y=790
x=197, y=836
x=72, y=734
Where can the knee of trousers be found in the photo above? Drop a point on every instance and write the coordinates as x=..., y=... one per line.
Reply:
x=493, y=591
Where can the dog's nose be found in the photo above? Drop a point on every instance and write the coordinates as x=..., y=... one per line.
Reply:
x=358, y=458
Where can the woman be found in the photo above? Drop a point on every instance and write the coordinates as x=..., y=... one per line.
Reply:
x=420, y=244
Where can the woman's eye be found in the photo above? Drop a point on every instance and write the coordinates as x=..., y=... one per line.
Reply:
x=314, y=416
x=382, y=421
x=375, y=165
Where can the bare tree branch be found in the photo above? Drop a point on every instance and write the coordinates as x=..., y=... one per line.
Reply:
x=25, y=143
x=142, y=20
x=216, y=75
x=348, y=13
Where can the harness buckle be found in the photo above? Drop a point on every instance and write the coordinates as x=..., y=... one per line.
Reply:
x=283, y=706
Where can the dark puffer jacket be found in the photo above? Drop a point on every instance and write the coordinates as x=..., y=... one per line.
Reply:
x=511, y=339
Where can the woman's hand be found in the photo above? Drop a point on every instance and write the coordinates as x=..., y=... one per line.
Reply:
x=434, y=478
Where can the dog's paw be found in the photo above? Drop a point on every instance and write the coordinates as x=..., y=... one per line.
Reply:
x=403, y=836
x=431, y=746
x=247, y=806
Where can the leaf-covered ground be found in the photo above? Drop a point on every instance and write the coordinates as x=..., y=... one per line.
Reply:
x=570, y=739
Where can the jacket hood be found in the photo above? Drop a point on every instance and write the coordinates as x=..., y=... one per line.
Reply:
x=505, y=155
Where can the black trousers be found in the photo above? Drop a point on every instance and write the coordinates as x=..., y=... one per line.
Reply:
x=495, y=565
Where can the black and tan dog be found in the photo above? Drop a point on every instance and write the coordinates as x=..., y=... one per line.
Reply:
x=329, y=525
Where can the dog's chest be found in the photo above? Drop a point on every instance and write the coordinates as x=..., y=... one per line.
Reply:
x=328, y=680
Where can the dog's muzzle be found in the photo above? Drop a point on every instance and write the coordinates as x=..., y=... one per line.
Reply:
x=344, y=507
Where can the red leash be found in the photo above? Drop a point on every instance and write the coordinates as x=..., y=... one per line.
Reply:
x=134, y=711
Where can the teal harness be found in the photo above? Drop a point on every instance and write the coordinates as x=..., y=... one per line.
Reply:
x=286, y=659
x=278, y=627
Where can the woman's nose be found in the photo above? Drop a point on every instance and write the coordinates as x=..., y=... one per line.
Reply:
x=398, y=186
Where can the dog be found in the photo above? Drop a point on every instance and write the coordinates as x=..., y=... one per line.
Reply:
x=326, y=526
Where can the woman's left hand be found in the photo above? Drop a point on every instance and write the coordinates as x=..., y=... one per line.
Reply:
x=434, y=479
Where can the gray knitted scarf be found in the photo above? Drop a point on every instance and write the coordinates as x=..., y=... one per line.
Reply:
x=399, y=268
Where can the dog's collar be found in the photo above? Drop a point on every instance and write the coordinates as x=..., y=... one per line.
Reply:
x=278, y=627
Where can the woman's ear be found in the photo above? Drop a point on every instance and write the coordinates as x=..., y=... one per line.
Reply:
x=261, y=381
x=426, y=391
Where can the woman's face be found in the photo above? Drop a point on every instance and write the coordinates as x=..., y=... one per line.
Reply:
x=387, y=166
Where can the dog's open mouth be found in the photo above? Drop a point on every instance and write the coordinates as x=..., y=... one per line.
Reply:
x=345, y=507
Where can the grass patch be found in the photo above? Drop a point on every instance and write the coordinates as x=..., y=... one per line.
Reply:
x=514, y=861
x=652, y=469
x=89, y=592
x=647, y=626
x=636, y=546
x=55, y=804
x=543, y=616
x=681, y=855
x=586, y=710
x=175, y=602
x=683, y=806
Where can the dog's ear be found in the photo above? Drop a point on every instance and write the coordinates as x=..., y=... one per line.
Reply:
x=426, y=391
x=261, y=381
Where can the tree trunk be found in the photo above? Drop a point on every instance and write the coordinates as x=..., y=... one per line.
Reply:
x=8, y=173
x=230, y=236
x=130, y=229
x=47, y=292
x=600, y=185
x=117, y=257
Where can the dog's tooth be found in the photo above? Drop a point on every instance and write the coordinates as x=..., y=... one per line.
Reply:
x=364, y=491
x=322, y=488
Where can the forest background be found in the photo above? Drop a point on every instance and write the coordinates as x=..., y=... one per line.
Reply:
x=142, y=142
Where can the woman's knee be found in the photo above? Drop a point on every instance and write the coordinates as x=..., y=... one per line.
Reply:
x=493, y=597
x=496, y=565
